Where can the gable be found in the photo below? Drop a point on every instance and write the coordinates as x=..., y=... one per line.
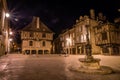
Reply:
x=37, y=25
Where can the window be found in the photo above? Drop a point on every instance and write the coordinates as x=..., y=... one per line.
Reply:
x=43, y=35
x=43, y=43
x=31, y=43
x=31, y=34
x=104, y=36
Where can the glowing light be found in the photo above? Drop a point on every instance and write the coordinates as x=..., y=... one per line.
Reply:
x=11, y=33
x=10, y=39
x=7, y=15
x=118, y=10
x=68, y=41
x=16, y=19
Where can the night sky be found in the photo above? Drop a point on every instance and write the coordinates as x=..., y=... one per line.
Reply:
x=58, y=14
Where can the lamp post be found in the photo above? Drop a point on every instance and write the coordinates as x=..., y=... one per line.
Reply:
x=7, y=15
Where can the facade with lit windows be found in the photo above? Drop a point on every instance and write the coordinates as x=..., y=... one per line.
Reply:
x=107, y=37
x=104, y=37
x=68, y=41
x=36, y=38
x=74, y=39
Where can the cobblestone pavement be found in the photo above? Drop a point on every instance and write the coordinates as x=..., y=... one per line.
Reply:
x=52, y=67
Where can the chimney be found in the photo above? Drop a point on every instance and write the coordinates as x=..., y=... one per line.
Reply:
x=38, y=26
x=92, y=13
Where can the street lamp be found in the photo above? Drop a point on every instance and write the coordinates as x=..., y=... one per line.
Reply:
x=10, y=39
x=7, y=15
x=11, y=33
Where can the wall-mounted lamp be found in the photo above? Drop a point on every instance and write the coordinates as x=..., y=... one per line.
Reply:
x=7, y=15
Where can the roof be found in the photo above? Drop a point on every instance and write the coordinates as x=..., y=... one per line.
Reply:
x=37, y=26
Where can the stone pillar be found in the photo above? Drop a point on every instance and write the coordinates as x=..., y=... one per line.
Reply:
x=84, y=50
x=68, y=50
x=101, y=51
x=110, y=51
x=30, y=52
x=37, y=51
x=76, y=50
x=80, y=49
x=43, y=52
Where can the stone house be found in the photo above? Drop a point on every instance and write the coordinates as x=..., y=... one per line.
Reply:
x=36, y=38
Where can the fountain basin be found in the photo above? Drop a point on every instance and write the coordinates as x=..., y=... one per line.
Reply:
x=90, y=64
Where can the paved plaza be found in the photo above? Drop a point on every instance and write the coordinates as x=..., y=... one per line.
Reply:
x=53, y=67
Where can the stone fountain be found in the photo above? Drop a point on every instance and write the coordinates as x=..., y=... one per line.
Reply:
x=89, y=64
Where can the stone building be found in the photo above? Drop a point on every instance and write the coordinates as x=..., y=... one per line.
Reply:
x=83, y=25
x=57, y=46
x=107, y=37
x=3, y=27
x=67, y=40
x=73, y=40
x=36, y=38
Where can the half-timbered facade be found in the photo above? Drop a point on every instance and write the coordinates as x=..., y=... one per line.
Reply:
x=104, y=36
x=36, y=38
x=107, y=37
